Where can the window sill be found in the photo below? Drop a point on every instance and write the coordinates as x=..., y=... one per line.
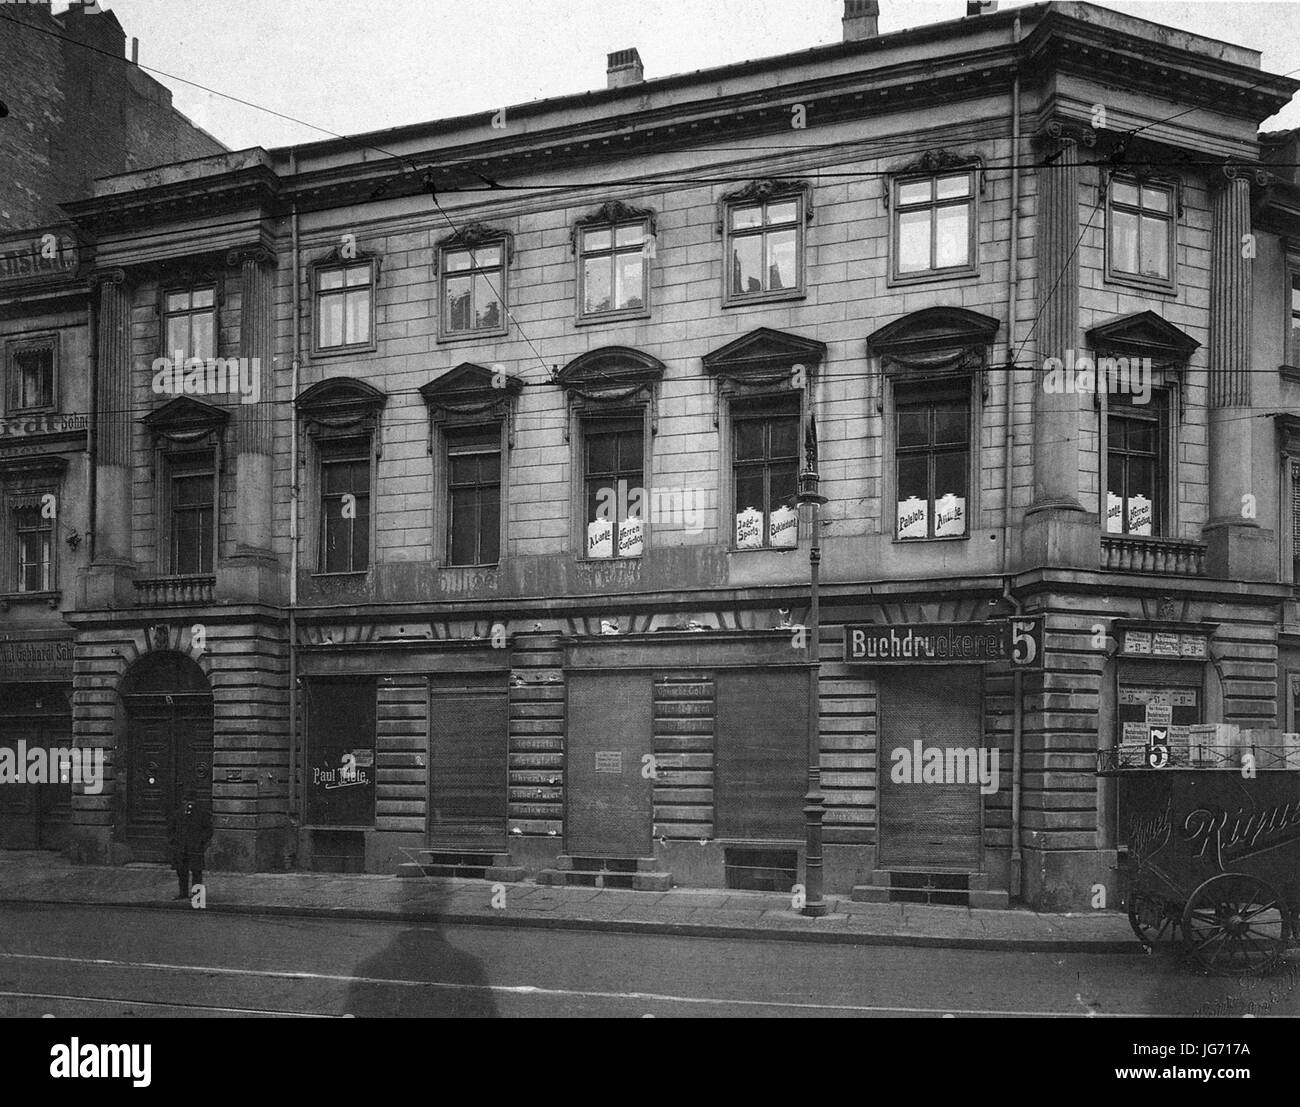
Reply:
x=765, y=549
x=51, y=597
x=932, y=276
x=338, y=575
x=1142, y=284
x=944, y=538
x=470, y=336
x=487, y=566
x=610, y=318
x=343, y=351
x=629, y=560
x=785, y=295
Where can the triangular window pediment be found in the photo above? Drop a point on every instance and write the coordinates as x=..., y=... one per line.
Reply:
x=186, y=420
x=1144, y=334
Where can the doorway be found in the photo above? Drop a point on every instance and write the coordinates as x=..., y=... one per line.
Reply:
x=169, y=746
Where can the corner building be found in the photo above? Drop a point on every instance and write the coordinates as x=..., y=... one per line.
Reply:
x=501, y=571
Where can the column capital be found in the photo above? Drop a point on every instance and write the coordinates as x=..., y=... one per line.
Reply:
x=113, y=276
x=1231, y=173
x=1065, y=130
x=258, y=255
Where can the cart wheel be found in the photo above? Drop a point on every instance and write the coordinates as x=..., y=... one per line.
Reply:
x=1235, y=923
x=1152, y=918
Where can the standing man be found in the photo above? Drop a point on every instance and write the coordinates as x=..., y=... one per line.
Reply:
x=189, y=830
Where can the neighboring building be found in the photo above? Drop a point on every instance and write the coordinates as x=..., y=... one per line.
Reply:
x=499, y=559
x=72, y=114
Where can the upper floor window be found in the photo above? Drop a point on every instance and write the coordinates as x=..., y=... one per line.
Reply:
x=765, y=471
x=613, y=475
x=192, y=510
x=1293, y=311
x=934, y=224
x=34, y=534
x=1136, y=470
x=474, y=496
x=473, y=290
x=932, y=455
x=190, y=323
x=612, y=269
x=344, y=303
x=30, y=376
x=764, y=246
x=344, y=505
x=1140, y=239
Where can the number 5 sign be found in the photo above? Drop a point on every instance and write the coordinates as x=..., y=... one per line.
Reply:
x=1025, y=642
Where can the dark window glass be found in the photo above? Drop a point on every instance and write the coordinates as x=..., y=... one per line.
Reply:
x=193, y=514
x=345, y=507
x=474, y=496
x=35, y=535
x=765, y=472
x=1135, y=469
x=31, y=378
x=613, y=473
x=932, y=464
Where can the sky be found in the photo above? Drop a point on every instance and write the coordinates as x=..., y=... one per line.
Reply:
x=348, y=66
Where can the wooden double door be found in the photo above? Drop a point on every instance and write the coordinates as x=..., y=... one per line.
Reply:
x=170, y=750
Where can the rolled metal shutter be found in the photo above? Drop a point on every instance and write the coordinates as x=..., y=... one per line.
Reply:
x=761, y=767
x=469, y=721
x=929, y=825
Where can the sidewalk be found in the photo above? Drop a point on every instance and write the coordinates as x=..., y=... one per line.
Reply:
x=37, y=877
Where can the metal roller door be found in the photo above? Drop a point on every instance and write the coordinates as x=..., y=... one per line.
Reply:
x=469, y=723
x=929, y=825
x=761, y=766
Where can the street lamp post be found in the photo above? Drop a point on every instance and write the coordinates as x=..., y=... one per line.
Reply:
x=813, y=809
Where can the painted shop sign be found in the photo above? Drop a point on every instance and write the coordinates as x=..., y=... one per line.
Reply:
x=38, y=256
x=31, y=426
x=1164, y=643
x=35, y=659
x=1017, y=641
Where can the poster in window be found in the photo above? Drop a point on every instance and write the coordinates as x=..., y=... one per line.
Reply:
x=339, y=765
x=631, y=538
x=913, y=518
x=1139, y=515
x=783, y=528
x=1114, y=513
x=600, y=538
x=950, y=516
x=749, y=529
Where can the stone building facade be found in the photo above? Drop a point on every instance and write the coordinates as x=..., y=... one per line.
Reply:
x=495, y=566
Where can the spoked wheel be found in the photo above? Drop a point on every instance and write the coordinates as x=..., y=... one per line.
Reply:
x=1235, y=923
x=1153, y=919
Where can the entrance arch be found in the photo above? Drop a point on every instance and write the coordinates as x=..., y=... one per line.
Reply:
x=168, y=702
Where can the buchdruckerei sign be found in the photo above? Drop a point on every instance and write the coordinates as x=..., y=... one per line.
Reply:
x=1018, y=641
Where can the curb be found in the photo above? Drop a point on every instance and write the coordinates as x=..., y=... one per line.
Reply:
x=625, y=926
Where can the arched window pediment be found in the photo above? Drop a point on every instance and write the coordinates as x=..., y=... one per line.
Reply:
x=937, y=340
x=613, y=376
x=341, y=405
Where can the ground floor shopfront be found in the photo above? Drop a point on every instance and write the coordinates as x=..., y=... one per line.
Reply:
x=957, y=759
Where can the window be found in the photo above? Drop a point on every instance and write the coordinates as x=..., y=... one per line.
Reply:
x=345, y=506
x=473, y=287
x=192, y=490
x=474, y=496
x=190, y=323
x=1140, y=244
x=765, y=468
x=35, y=541
x=30, y=376
x=934, y=225
x=344, y=305
x=611, y=269
x=764, y=247
x=1135, y=469
x=932, y=461
x=613, y=473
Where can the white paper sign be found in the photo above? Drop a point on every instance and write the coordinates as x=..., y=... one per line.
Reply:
x=950, y=516
x=631, y=538
x=600, y=539
x=1114, y=513
x=913, y=518
x=1139, y=515
x=749, y=529
x=783, y=528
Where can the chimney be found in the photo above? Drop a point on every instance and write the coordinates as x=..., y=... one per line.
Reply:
x=981, y=7
x=861, y=19
x=135, y=51
x=624, y=68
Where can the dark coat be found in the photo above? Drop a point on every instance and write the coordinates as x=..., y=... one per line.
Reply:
x=188, y=834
